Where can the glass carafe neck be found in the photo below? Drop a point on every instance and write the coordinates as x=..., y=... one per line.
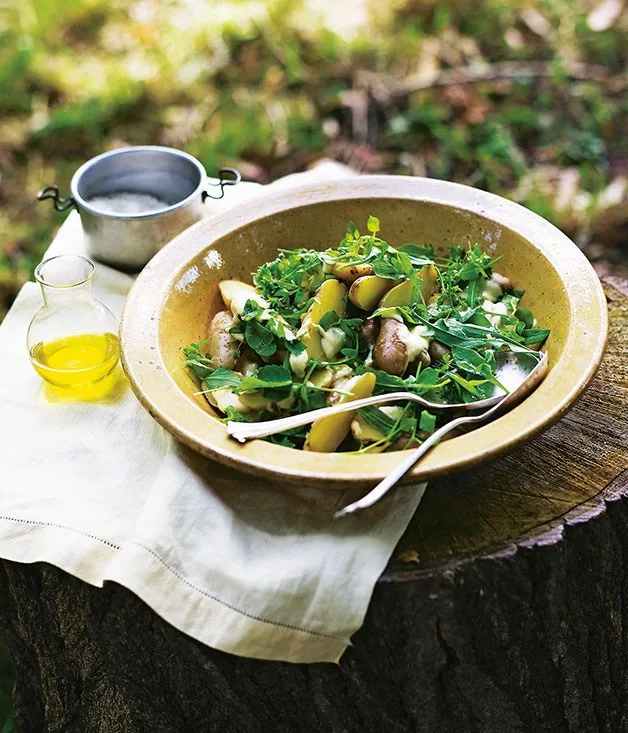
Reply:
x=65, y=278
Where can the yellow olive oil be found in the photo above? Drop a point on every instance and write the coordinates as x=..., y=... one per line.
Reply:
x=76, y=362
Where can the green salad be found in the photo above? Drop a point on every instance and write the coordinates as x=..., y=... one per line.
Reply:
x=361, y=318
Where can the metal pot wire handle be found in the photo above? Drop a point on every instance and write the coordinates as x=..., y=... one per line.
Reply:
x=234, y=178
x=60, y=204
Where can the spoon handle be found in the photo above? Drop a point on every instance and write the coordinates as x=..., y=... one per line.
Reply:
x=243, y=431
x=384, y=486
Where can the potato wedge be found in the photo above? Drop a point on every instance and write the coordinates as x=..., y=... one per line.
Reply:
x=398, y=296
x=226, y=397
x=248, y=363
x=255, y=400
x=322, y=377
x=350, y=273
x=429, y=275
x=365, y=432
x=235, y=294
x=401, y=294
x=222, y=348
x=328, y=433
x=367, y=291
x=329, y=297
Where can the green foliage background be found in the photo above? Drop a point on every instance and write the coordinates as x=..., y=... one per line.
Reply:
x=270, y=86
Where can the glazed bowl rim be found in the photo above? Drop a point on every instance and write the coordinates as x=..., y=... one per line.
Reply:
x=187, y=421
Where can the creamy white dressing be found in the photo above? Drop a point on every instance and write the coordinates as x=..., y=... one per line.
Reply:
x=239, y=301
x=492, y=292
x=342, y=372
x=499, y=309
x=415, y=340
x=240, y=298
x=333, y=340
x=392, y=411
x=298, y=363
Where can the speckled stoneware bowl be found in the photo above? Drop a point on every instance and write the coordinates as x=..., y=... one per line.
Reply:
x=176, y=295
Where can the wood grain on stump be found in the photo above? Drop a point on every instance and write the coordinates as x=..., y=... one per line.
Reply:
x=507, y=613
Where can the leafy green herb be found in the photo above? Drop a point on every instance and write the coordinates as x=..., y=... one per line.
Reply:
x=427, y=421
x=535, y=335
x=378, y=419
x=419, y=256
x=197, y=361
x=525, y=316
x=260, y=339
x=331, y=318
x=268, y=376
x=221, y=378
x=372, y=224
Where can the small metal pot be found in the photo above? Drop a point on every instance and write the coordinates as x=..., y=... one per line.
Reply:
x=175, y=184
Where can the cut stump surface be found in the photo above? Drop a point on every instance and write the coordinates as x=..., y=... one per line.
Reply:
x=503, y=610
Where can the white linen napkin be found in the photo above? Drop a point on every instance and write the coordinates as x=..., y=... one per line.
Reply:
x=103, y=492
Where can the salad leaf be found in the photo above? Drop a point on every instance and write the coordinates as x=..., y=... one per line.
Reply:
x=260, y=339
x=427, y=421
x=372, y=224
x=331, y=318
x=220, y=378
x=268, y=376
x=535, y=335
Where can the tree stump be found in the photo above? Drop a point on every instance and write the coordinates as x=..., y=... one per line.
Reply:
x=504, y=610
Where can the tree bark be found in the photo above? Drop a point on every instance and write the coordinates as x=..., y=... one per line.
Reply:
x=504, y=610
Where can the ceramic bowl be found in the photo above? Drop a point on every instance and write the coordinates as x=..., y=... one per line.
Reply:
x=175, y=297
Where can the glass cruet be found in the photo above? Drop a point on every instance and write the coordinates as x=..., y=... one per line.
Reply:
x=72, y=340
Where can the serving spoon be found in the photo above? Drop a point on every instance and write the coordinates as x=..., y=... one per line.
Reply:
x=512, y=370
x=519, y=371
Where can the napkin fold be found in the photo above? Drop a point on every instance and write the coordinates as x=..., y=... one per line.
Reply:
x=103, y=492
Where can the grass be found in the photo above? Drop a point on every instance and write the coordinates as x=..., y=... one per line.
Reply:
x=272, y=86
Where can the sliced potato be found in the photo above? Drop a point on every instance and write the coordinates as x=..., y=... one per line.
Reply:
x=367, y=291
x=222, y=347
x=401, y=294
x=398, y=296
x=224, y=398
x=322, y=377
x=429, y=275
x=329, y=297
x=365, y=432
x=235, y=294
x=255, y=400
x=350, y=273
x=247, y=363
x=328, y=433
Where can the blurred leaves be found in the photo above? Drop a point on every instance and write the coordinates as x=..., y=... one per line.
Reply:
x=501, y=95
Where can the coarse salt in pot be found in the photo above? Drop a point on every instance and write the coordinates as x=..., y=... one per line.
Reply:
x=134, y=200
